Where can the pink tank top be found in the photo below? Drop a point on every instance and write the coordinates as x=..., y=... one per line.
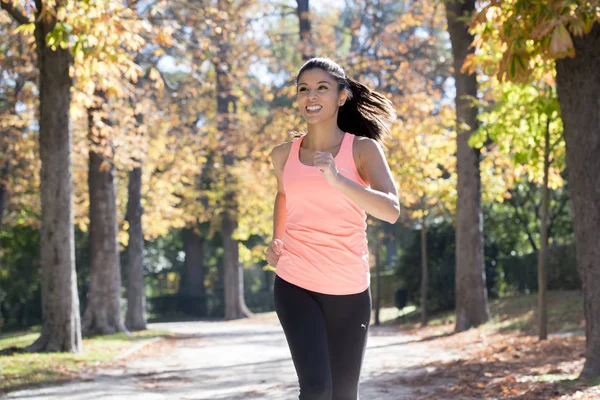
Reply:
x=325, y=241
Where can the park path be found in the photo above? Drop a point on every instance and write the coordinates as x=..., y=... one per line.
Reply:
x=237, y=360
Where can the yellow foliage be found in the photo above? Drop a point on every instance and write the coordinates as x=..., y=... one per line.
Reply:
x=530, y=34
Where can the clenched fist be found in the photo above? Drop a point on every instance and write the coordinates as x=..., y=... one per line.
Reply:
x=324, y=162
x=274, y=251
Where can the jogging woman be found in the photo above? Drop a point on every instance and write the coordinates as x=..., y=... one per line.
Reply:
x=327, y=182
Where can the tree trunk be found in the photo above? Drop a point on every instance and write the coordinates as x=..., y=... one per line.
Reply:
x=103, y=309
x=390, y=243
x=578, y=84
x=3, y=189
x=61, y=329
x=377, y=277
x=135, y=318
x=424, y=273
x=471, y=293
x=235, y=306
x=542, y=276
x=305, y=38
x=193, y=245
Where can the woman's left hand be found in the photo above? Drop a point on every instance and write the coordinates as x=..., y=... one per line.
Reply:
x=324, y=163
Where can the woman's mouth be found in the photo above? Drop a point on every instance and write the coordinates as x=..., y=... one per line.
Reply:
x=313, y=109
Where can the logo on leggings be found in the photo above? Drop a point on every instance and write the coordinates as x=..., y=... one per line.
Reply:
x=363, y=326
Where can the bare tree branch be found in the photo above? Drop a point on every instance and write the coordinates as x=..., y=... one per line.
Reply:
x=554, y=214
x=17, y=15
x=517, y=205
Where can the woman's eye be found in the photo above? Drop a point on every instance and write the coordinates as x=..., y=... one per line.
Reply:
x=302, y=89
x=322, y=87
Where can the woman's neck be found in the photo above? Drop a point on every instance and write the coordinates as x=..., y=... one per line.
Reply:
x=322, y=137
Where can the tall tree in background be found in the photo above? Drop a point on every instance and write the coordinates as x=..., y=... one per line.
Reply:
x=306, y=46
x=61, y=330
x=103, y=309
x=4, y=170
x=194, y=246
x=229, y=128
x=113, y=59
x=471, y=293
x=135, y=318
x=424, y=271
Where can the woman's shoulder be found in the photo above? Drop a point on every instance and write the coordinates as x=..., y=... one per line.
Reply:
x=365, y=146
x=280, y=153
x=365, y=149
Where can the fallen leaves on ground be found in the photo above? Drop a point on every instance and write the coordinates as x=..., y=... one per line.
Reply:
x=504, y=365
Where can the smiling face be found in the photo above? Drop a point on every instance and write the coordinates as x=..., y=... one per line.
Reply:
x=318, y=96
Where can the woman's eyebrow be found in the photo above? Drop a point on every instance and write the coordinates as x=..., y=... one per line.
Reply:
x=318, y=83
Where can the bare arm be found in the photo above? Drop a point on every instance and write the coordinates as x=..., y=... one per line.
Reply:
x=381, y=199
x=278, y=158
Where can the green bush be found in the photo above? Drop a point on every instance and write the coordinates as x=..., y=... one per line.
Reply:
x=441, y=246
x=519, y=273
x=20, y=303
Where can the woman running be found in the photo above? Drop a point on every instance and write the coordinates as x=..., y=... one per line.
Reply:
x=327, y=182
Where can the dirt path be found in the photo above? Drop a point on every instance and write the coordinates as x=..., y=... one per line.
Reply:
x=241, y=360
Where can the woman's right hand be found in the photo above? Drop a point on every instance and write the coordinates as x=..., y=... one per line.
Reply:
x=274, y=251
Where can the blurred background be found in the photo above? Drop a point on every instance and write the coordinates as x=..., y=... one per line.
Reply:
x=174, y=109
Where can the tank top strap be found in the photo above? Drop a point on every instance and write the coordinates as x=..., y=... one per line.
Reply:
x=345, y=152
x=294, y=156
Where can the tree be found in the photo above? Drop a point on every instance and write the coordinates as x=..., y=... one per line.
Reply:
x=61, y=329
x=235, y=306
x=535, y=34
x=304, y=21
x=135, y=318
x=103, y=309
x=425, y=271
x=194, y=247
x=578, y=84
x=471, y=293
x=105, y=68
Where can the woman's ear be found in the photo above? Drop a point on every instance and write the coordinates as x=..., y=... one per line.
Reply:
x=343, y=97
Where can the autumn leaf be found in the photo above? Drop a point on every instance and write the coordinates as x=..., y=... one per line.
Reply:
x=561, y=44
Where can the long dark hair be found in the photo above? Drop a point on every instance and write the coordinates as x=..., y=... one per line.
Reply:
x=365, y=112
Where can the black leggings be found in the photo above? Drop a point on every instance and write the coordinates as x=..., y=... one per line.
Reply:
x=327, y=335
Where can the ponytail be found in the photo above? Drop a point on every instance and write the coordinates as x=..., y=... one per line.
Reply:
x=365, y=112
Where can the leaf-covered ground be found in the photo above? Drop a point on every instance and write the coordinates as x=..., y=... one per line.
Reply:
x=504, y=359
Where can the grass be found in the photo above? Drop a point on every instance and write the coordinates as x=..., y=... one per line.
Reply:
x=19, y=339
x=565, y=313
x=26, y=369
